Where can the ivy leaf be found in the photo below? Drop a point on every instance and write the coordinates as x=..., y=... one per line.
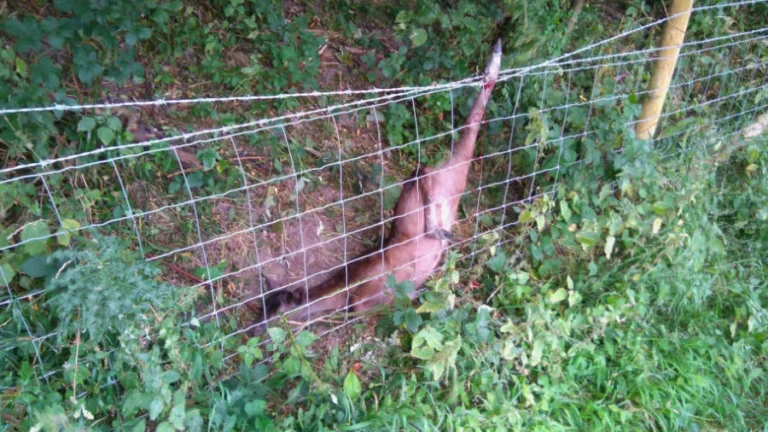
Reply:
x=418, y=37
x=352, y=386
x=86, y=124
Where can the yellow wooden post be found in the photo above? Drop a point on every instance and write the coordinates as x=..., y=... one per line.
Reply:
x=671, y=38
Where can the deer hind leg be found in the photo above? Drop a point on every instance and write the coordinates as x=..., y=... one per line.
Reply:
x=437, y=207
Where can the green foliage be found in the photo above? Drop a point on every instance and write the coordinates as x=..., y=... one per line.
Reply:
x=633, y=297
x=105, y=290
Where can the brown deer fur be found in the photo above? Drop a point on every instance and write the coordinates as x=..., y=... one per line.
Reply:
x=424, y=215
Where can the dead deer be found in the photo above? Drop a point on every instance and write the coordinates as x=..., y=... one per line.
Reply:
x=424, y=215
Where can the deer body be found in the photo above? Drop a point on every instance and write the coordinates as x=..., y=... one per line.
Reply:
x=424, y=215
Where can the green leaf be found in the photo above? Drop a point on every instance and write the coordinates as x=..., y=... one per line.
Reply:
x=391, y=194
x=558, y=296
x=145, y=33
x=352, y=386
x=423, y=353
x=429, y=336
x=195, y=180
x=141, y=426
x=660, y=207
x=134, y=402
x=164, y=427
x=565, y=211
x=412, y=320
x=255, y=408
x=7, y=273
x=509, y=327
x=418, y=37
x=36, y=230
x=587, y=238
x=171, y=376
x=106, y=135
x=498, y=262
x=156, y=407
x=538, y=350
x=69, y=226
x=38, y=267
x=86, y=124
x=21, y=67
x=305, y=338
x=432, y=305
x=177, y=415
x=525, y=216
x=114, y=123
x=208, y=157
x=193, y=421
x=293, y=367
x=277, y=334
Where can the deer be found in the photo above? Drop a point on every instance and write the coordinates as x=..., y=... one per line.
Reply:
x=420, y=232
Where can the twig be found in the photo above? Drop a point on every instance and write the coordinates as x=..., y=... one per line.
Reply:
x=77, y=355
x=575, y=11
x=178, y=269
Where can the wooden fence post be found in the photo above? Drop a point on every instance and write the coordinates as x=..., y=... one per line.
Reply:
x=671, y=38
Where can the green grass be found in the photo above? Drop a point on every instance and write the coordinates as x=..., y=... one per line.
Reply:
x=634, y=298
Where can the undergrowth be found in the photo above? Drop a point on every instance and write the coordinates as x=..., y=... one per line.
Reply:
x=632, y=298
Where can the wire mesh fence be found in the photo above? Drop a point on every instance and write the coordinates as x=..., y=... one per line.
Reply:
x=292, y=198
